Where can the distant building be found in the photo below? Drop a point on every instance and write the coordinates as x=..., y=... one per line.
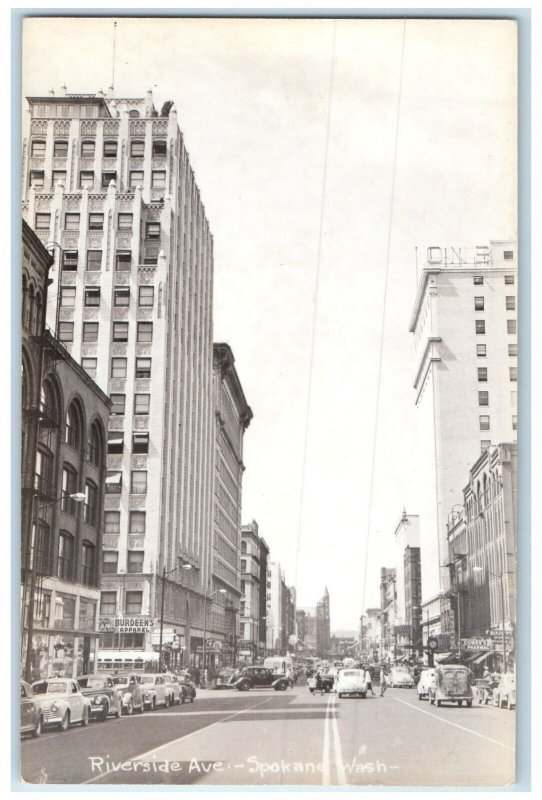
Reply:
x=306, y=627
x=253, y=588
x=409, y=585
x=388, y=612
x=323, y=624
x=370, y=634
x=274, y=606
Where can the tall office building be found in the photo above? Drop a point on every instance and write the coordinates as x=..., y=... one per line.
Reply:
x=465, y=334
x=254, y=552
x=108, y=182
x=323, y=623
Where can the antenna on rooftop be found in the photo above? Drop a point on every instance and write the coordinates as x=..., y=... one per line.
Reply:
x=114, y=50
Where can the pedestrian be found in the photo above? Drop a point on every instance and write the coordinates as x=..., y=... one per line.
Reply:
x=382, y=682
x=369, y=680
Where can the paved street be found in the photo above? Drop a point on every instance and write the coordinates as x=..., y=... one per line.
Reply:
x=290, y=738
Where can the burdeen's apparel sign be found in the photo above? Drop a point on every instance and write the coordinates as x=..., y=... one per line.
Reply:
x=127, y=624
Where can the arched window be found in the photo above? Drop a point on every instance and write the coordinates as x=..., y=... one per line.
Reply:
x=49, y=402
x=91, y=503
x=73, y=435
x=64, y=568
x=95, y=445
x=134, y=113
x=243, y=547
x=41, y=550
x=69, y=487
x=88, y=563
x=43, y=482
x=38, y=315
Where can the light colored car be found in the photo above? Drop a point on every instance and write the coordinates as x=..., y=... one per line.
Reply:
x=504, y=695
x=31, y=711
x=62, y=702
x=155, y=692
x=400, y=677
x=176, y=693
x=351, y=682
x=426, y=680
x=132, y=693
x=105, y=698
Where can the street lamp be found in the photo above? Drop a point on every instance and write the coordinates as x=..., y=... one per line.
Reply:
x=77, y=497
x=499, y=577
x=164, y=576
x=210, y=597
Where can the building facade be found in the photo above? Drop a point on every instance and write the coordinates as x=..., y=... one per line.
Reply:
x=275, y=615
x=370, y=634
x=306, y=629
x=323, y=623
x=465, y=380
x=65, y=417
x=408, y=576
x=388, y=612
x=109, y=180
x=254, y=553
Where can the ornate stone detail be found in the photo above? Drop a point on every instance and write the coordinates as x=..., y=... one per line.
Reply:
x=144, y=313
x=137, y=127
x=143, y=349
x=114, y=462
x=112, y=502
x=125, y=200
x=142, y=384
x=71, y=240
x=59, y=163
x=135, y=541
x=158, y=163
x=92, y=278
x=89, y=349
x=66, y=314
x=159, y=127
x=122, y=278
x=139, y=462
x=108, y=241
x=145, y=277
x=124, y=240
x=157, y=197
x=72, y=202
x=111, y=539
x=62, y=127
x=119, y=349
x=111, y=127
x=43, y=202
x=141, y=423
x=91, y=313
x=137, y=501
x=153, y=215
x=39, y=126
x=109, y=163
x=117, y=385
x=152, y=251
x=36, y=163
x=116, y=423
x=44, y=236
x=86, y=163
x=88, y=128
x=94, y=240
x=120, y=314
x=96, y=202
x=69, y=278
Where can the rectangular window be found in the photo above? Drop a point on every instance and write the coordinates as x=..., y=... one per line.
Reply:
x=67, y=296
x=107, y=177
x=478, y=303
x=478, y=280
x=90, y=331
x=112, y=522
x=94, y=260
x=37, y=149
x=135, y=561
x=484, y=444
x=136, y=178
x=138, y=481
x=69, y=260
x=137, y=149
x=92, y=296
x=481, y=350
x=59, y=176
x=508, y=255
x=143, y=368
x=95, y=222
x=65, y=331
x=483, y=398
x=513, y=373
x=146, y=296
x=121, y=296
x=480, y=326
x=512, y=349
x=71, y=222
x=511, y=303
x=60, y=149
x=140, y=443
x=509, y=280
x=86, y=179
x=110, y=562
x=118, y=403
x=142, y=403
x=91, y=503
x=158, y=179
x=90, y=366
x=514, y=422
x=115, y=443
x=159, y=148
x=123, y=260
x=482, y=373
x=125, y=222
x=110, y=148
x=118, y=367
x=137, y=523
x=134, y=602
x=108, y=603
x=511, y=326
x=484, y=422
x=152, y=230
x=42, y=222
x=120, y=331
x=88, y=148
x=37, y=179
x=144, y=331
x=113, y=482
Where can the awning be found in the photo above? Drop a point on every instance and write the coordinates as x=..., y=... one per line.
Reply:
x=127, y=655
x=116, y=478
x=441, y=656
x=483, y=657
x=473, y=656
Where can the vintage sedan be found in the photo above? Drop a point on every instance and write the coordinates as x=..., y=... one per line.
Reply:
x=504, y=694
x=62, y=702
x=225, y=678
x=400, y=677
x=260, y=678
x=452, y=684
x=155, y=692
x=188, y=686
x=427, y=677
x=351, y=682
x=31, y=711
x=176, y=693
x=131, y=691
x=105, y=698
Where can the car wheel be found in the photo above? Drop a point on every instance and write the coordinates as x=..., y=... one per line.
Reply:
x=340, y=694
x=192, y=698
x=38, y=729
x=439, y=703
x=105, y=712
x=364, y=695
x=153, y=704
x=244, y=686
x=86, y=718
x=469, y=703
x=65, y=723
x=130, y=708
x=460, y=703
x=182, y=699
x=431, y=700
x=167, y=701
x=311, y=691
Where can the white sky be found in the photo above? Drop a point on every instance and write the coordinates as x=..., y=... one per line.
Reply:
x=252, y=102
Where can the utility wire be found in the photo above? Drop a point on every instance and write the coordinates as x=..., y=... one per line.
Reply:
x=382, y=325
x=114, y=51
x=315, y=302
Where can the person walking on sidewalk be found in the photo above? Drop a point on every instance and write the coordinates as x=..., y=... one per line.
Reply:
x=369, y=680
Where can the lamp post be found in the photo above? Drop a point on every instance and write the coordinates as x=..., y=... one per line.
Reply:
x=164, y=576
x=210, y=597
x=499, y=577
x=77, y=497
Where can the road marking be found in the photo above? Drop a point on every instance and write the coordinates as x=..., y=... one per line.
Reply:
x=339, y=764
x=455, y=725
x=291, y=710
x=326, y=773
x=155, y=750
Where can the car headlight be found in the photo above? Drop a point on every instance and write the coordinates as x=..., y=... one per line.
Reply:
x=54, y=707
x=147, y=695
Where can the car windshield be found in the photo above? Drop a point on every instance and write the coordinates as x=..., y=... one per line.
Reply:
x=147, y=679
x=350, y=673
x=92, y=683
x=120, y=681
x=52, y=687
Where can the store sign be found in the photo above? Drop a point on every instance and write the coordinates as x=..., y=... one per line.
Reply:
x=476, y=644
x=459, y=256
x=127, y=624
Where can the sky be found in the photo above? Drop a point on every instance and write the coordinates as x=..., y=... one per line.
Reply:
x=295, y=143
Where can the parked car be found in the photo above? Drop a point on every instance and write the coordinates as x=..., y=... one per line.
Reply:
x=427, y=677
x=226, y=678
x=155, y=692
x=131, y=691
x=351, y=682
x=188, y=686
x=31, y=711
x=452, y=684
x=259, y=678
x=105, y=698
x=505, y=693
x=62, y=702
x=176, y=693
x=400, y=677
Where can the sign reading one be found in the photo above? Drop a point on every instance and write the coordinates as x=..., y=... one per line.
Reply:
x=127, y=624
x=459, y=256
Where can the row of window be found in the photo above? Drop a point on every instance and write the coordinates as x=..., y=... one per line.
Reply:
x=65, y=566
x=510, y=300
x=42, y=222
x=485, y=424
x=123, y=260
x=119, y=332
x=88, y=148
x=87, y=178
x=121, y=296
x=142, y=404
x=511, y=326
x=119, y=367
x=133, y=603
x=482, y=373
x=137, y=522
x=138, y=482
x=110, y=561
x=481, y=349
x=509, y=280
x=115, y=443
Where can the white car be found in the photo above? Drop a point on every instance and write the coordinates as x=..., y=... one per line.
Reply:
x=401, y=677
x=426, y=680
x=62, y=702
x=155, y=691
x=351, y=682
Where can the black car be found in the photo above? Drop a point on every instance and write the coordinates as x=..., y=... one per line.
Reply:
x=260, y=678
x=188, y=687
